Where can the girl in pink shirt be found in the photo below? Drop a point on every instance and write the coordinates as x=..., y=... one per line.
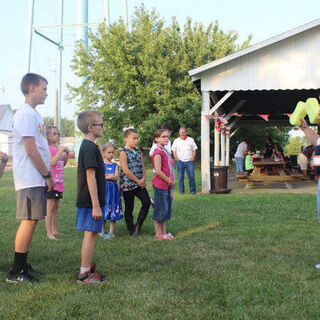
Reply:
x=59, y=158
x=163, y=183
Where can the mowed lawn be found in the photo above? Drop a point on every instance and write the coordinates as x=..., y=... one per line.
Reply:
x=234, y=257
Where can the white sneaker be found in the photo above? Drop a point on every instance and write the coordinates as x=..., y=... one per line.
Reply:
x=317, y=266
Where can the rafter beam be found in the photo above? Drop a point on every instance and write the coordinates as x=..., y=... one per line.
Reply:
x=234, y=122
x=234, y=132
x=234, y=109
x=220, y=102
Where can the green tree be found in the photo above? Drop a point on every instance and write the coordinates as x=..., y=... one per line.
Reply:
x=294, y=146
x=139, y=76
x=296, y=143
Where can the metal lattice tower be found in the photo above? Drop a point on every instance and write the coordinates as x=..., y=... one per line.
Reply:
x=82, y=26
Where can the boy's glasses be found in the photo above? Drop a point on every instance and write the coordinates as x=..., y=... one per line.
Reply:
x=164, y=136
x=97, y=124
x=55, y=134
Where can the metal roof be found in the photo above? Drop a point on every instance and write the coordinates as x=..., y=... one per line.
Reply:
x=255, y=47
x=271, y=81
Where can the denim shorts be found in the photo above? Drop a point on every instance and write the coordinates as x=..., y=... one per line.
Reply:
x=85, y=222
x=162, y=205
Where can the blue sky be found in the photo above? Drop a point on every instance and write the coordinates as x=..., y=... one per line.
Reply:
x=261, y=18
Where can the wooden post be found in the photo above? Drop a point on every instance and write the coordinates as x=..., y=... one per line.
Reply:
x=56, y=110
x=223, y=148
x=216, y=146
x=227, y=148
x=205, y=142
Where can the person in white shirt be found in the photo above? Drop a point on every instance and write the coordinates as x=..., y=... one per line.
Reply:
x=31, y=172
x=240, y=155
x=184, y=152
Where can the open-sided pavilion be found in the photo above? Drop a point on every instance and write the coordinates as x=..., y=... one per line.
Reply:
x=267, y=78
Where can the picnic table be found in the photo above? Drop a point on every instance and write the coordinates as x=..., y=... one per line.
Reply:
x=269, y=171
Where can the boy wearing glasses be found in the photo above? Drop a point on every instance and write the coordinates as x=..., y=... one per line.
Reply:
x=90, y=193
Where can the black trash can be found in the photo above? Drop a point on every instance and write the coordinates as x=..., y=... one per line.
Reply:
x=219, y=179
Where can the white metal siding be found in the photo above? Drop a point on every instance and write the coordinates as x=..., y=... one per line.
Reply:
x=6, y=143
x=293, y=63
x=6, y=122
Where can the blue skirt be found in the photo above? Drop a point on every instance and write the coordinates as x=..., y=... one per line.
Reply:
x=85, y=222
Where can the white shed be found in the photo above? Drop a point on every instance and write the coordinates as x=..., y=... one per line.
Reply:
x=267, y=78
x=6, y=122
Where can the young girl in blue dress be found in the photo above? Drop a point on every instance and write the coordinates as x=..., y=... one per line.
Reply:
x=113, y=208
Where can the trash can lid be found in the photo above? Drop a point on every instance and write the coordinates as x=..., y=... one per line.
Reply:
x=219, y=168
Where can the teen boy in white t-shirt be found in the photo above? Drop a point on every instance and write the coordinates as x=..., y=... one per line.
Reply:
x=31, y=164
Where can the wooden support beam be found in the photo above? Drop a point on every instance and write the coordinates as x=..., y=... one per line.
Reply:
x=220, y=102
x=235, y=109
x=234, y=132
x=233, y=123
x=205, y=142
x=223, y=149
x=216, y=146
x=228, y=148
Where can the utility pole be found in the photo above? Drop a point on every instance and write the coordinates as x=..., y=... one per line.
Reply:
x=82, y=36
x=57, y=117
x=29, y=35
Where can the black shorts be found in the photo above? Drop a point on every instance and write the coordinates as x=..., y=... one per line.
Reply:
x=54, y=194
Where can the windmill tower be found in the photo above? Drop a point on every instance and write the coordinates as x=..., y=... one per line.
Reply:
x=82, y=26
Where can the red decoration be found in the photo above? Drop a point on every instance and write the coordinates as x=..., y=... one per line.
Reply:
x=209, y=116
x=219, y=122
x=264, y=116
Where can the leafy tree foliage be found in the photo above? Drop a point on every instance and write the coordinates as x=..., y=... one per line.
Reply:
x=67, y=126
x=294, y=146
x=139, y=76
x=296, y=143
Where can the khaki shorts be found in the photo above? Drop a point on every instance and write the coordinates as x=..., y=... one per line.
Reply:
x=31, y=203
x=303, y=161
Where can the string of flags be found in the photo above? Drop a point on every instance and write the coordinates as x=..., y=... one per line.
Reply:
x=221, y=122
x=236, y=114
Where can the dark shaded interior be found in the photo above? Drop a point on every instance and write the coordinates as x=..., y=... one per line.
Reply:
x=273, y=102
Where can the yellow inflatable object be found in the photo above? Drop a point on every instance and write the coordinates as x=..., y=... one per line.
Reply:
x=298, y=113
x=312, y=107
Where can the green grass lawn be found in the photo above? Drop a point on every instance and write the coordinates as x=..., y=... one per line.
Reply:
x=235, y=257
